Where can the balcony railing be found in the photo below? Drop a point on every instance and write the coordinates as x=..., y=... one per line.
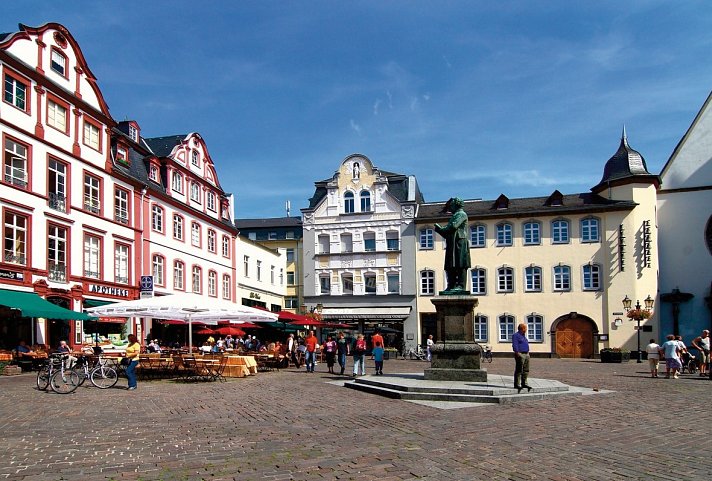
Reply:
x=57, y=273
x=11, y=256
x=122, y=280
x=93, y=274
x=92, y=205
x=20, y=182
x=57, y=202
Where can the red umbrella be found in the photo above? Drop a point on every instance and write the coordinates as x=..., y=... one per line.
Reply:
x=229, y=331
x=339, y=325
x=205, y=332
x=308, y=321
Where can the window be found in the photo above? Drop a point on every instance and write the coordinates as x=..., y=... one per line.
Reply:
x=123, y=156
x=289, y=234
x=505, y=279
x=348, y=202
x=427, y=283
x=58, y=62
x=15, y=164
x=157, y=218
x=506, y=327
x=153, y=173
x=259, y=270
x=133, y=133
x=365, y=201
x=211, y=201
x=178, y=275
x=195, y=234
x=393, y=282
x=57, y=116
x=560, y=232
x=212, y=241
x=271, y=274
x=212, y=284
x=16, y=93
x=57, y=185
x=177, y=227
x=290, y=255
x=246, y=266
x=369, y=283
x=347, y=244
x=347, y=282
x=324, y=284
x=480, y=328
x=504, y=234
x=478, y=235
x=281, y=277
x=225, y=246
x=92, y=258
x=532, y=279
x=589, y=230
x=532, y=233
x=272, y=236
x=121, y=264
x=562, y=278
x=392, y=241
x=252, y=236
x=226, y=287
x=195, y=192
x=291, y=280
x=92, y=193
x=15, y=238
x=91, y=136
x=479, y=281
x=121, y=206
x=323, y=244
x=426, y=238
x=535, y=328
x=291, y=302
x=195, y=158
x=57, y=253
x=369, y=241
x=197, y=279
x=177, y=182
x=591, y=277
x=158, y=270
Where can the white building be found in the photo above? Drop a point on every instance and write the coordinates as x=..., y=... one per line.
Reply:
x=260, y=275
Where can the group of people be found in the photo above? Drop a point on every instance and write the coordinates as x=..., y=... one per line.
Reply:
x=337, y=350
x=675, y=353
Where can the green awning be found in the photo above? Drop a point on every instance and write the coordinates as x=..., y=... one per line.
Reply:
x=96, y=303
x=32, y=305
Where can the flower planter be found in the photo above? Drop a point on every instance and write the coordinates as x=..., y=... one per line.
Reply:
x=615, y=356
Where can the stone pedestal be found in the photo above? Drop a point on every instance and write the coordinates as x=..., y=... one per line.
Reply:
x=456, y=356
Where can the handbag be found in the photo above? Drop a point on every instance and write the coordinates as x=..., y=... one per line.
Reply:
x=125, y=361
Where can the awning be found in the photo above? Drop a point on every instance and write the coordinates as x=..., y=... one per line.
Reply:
x=115, y=320
x=366, y=313
x=96, y=303
x=32, y=305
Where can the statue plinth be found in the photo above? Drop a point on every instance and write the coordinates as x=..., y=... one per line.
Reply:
x=456, y=356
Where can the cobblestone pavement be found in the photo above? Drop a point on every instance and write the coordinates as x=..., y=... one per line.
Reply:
x=294, y=425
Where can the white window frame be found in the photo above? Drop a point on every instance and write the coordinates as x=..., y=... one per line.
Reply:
x=226, y=291
x=365, y=197
x=57, y=115
x=427, y=282
x=177, y=182
x=158, y=263
x=121, y=263
x=91, y=136
x=560, y=231
x=195, y=192
x=591, y=277
x=195, y=234
x=212, y=284
x=92, y=194
x=197, y=279
x=212, y=241
x=92, y=256
x=478, y=281
x=478, y=235
x=391, y=286
x=15, y=92
x=533, y=279
x=506, y=327
x=57, y=184
x=426, y=240
x=590, y=230
x=157, y=218
x=177, y=227
x=532, y=233
x=349, y=202
x=505, y=234
x=562, y=278
x=15, y=163
x=505, y=279
x=481, y=330
x=179, y=275
x=535, y=327
x=15, y=238
x=121, y=205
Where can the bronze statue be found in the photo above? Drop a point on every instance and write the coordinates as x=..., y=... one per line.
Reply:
x=457, y=247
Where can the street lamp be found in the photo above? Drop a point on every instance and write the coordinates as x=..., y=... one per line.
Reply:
x=639, y=314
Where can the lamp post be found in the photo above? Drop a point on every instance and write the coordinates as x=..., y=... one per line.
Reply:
x=639, y=314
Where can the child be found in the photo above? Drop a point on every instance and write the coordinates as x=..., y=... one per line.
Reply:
x=378, y=357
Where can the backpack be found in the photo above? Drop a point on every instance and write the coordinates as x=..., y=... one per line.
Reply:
x=361, y=345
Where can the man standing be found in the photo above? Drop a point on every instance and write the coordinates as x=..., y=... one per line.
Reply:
x=702, y=344
x=429, y=344
x=520, y=346
x=292, y=350
x=342, y=350
x=671, y=349
x=376, y=338
x=310, y=342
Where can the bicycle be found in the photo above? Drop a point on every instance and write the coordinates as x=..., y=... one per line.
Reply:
x=486, y=353
x=54, y=374
x=417, y=353
x=100, y=375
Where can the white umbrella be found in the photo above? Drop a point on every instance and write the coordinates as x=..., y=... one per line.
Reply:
x=185, y=307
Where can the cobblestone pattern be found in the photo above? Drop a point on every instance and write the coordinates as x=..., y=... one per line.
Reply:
x=291, y=425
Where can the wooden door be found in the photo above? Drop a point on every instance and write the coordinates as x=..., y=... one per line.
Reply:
x=574, y=338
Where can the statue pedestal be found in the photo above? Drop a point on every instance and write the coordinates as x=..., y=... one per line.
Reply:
x=456, y=356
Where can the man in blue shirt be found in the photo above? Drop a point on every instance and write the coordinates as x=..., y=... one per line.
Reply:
x=520, y=346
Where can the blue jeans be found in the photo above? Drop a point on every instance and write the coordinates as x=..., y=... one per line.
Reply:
x=131, y=373
x=342, y=361
x=360, y=360
x=310, y=358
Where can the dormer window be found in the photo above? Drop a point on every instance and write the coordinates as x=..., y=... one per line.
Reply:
x=58, y=62
x=194, y=158
x=555, y=199
x=133, y=133
x=153, y=173
x=122, y=155
x=502, y=202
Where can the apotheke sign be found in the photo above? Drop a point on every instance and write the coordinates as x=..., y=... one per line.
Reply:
x=108, y=290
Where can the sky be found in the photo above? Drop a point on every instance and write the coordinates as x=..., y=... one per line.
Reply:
x=474, y=98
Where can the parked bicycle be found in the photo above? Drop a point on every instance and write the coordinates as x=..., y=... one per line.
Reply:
x=57, y=376
x=486, y=353
x=417, y=353
x=100, y=374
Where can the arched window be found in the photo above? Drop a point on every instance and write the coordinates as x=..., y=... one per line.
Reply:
x=535, y=327
x=349, y=202
x=532, y=279
x=590, y=230
x=562, y=278
x=504, y=234
x=478, y=235
x=479, y=281
x=481, y=334
x=591, y=277
x=505, y=279
x=506, y=327
x=365, y=201
x=560, y=231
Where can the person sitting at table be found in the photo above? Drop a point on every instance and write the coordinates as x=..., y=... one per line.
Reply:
x=153, y=346
x=23, y=350
x=229, y=343
x=65, y=349
x=220, y=343
x=206, y=348
x=270, y=346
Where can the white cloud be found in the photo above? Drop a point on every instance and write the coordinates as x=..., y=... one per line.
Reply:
x=355, y=127
x=376, y=105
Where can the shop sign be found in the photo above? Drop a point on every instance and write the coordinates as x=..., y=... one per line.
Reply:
x=254, y=295
x=11, y=275
x=108, y=290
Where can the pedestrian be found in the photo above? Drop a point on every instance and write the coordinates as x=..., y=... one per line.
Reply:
x=330, y=349
x=653, y=350
x=377, y=338
x=429, y=344
x=520, y=346
x=378, y=357
x=702, y=344
x=310, y=342
x=359, y=352
x=292, y=350
x=671, y=350
x=132, y=352
x=342, y=348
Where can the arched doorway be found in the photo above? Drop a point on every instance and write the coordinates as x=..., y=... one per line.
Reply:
x=573, y=336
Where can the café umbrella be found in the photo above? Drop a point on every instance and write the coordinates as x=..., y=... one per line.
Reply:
x=186, y=307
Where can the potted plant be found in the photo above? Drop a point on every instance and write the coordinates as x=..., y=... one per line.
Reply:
x=614, y=354
x=390, y=353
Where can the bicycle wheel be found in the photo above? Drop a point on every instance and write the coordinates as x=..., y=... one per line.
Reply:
x=64, y=382
x=104, y=377
x=43, y=378
x=488, y=356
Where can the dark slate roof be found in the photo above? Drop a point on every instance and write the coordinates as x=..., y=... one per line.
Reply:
x=162, y=146
x=271, y=222
x=3, y=36
x=625, y=162
x=529, y=206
